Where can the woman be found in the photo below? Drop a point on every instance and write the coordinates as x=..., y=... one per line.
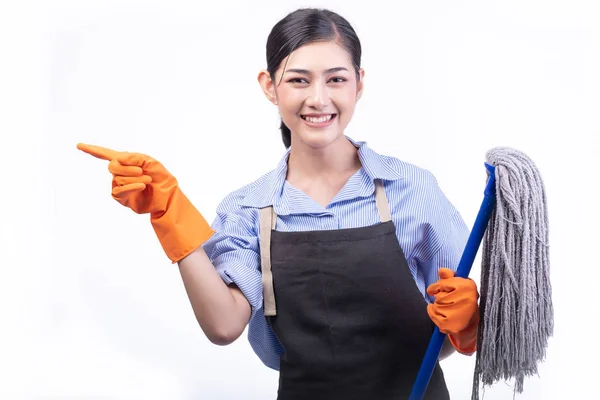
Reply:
x=333, y=257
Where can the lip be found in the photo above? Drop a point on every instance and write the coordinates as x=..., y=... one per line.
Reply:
x=319, y=124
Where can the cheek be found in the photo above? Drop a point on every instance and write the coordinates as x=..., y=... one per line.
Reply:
x=346, y=98
x=289, y=100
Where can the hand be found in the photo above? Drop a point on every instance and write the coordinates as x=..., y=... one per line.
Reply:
x=144, y=185
x=455, y=310
x=139, y=182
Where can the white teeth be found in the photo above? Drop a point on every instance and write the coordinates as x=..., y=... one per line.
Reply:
x=318, y=120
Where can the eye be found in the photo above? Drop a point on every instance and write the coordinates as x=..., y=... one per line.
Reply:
x=338, y=79
x=297, y=80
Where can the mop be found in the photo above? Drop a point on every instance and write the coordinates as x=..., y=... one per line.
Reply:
x=516, y=311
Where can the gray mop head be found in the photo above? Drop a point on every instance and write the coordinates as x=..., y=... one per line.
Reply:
x=517, y=316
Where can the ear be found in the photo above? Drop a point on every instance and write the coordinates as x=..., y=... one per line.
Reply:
x=360, y=84
x=267, y=86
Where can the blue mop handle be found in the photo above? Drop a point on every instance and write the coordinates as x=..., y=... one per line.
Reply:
x=463, y=270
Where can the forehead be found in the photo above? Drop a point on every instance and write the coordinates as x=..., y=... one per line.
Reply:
x=319, y=56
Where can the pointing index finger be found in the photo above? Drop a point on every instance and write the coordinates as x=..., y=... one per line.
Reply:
x=102, y=153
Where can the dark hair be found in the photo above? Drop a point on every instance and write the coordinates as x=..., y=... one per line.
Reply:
x=303, y=26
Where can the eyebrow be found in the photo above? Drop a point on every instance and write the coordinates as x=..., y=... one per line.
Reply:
x=307, y=72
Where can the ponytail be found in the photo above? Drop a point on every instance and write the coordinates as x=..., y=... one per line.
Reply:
x=286, y=135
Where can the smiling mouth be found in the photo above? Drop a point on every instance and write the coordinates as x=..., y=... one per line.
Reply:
x=318, y=119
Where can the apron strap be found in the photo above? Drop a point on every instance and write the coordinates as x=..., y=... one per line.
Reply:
x=268, y=221
x=383, y=207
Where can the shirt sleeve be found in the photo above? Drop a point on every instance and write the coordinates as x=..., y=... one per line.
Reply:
x=449, y=254
x=442, y=234
x=234, y=248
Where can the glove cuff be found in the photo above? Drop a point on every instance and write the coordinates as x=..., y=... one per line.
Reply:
x=181, y=229
x=465, y=341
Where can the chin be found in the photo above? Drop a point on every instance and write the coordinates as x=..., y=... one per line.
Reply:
x=319, y=138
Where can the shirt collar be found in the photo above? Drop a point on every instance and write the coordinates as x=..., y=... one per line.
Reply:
x=269, y=190
x=377, y=166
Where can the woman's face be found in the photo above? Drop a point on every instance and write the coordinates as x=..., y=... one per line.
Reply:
x=316, y=93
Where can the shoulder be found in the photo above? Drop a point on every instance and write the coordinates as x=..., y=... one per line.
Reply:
x=242, y=196
x=236, y=226
x=257, y=194
x=425, y=216
x=410, y=173
x=242, y=205
x=405, y=182
x=410, y=179
x=394, y=171
x=417, y=195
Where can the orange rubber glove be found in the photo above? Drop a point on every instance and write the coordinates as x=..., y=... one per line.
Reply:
x=144, y=185
x=455, y=310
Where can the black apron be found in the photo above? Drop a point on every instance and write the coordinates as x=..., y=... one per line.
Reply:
x=346, y=309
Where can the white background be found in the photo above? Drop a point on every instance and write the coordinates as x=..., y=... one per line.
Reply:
x=90, y=307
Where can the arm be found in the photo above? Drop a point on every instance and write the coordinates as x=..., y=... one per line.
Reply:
x=143, y=184
x=222, y=277
x=221, y=310
x=451, y=233
x=453, y=301
x=448, y=256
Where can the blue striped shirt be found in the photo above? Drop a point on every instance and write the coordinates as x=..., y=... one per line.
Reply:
x=430, y=230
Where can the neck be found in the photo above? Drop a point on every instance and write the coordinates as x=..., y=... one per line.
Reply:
x=339, y=157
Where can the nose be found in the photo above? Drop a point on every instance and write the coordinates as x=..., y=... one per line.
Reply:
x=318, y=96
